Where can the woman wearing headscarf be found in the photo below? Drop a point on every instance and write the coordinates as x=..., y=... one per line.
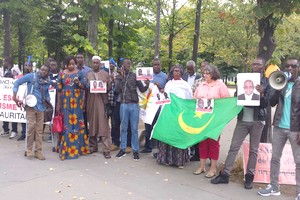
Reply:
x=167, y=154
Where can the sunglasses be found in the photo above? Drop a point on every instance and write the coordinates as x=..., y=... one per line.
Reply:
x=292, y=65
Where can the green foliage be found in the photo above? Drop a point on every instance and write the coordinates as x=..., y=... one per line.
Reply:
x=228, y=33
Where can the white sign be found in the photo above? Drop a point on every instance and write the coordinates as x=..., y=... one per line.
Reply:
x=247, y=95
x=98, y=86
x=144, y=73
x=9, y=111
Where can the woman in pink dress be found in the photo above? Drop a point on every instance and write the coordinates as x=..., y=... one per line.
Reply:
x=211, y=88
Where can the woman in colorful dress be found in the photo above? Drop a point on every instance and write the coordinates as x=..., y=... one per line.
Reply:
x=211, y=88
x=167, y=154
x=70, y=85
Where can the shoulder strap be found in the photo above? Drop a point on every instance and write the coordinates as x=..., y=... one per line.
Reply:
x=33, y=82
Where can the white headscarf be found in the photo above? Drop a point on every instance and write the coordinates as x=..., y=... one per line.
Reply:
x=96, y=58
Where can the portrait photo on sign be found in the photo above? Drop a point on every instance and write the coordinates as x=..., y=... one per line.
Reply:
x=97, y=86
x=162, y=98
x=144, y=73
x=205, y=105
x=247, y=95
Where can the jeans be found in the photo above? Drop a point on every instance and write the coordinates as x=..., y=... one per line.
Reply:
x=14, y=126
x=129, y=111
x=23, y=129
x=280, y=136
x=115, y=127
x=242, y=129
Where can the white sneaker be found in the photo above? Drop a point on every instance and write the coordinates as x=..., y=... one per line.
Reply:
x=4, y=133
x=13, y=135
x=269, y=191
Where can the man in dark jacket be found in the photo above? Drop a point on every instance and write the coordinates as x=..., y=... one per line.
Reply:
x=126, y=85
x=286, y=127
x=251, y=120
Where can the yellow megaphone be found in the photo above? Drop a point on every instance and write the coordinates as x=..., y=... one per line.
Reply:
x=270, y=69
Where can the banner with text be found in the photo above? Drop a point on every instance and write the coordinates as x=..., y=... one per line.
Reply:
x=262, y=170
x=9, y=111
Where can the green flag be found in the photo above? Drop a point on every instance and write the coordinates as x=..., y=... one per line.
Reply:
x=181, y=126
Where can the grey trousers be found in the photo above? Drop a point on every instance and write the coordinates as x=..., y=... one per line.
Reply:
x=242, y=129
x=280, y=137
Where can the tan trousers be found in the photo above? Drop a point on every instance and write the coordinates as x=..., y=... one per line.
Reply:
x=106, y=143
x=35, y=128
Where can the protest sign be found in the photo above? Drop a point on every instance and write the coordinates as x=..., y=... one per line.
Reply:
x=262, y=170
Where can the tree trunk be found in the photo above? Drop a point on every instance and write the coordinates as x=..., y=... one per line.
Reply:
x=267, y=44
x=157, y=33
x=21, y=45
x=197, y=31
x=171, y=35
x=266, y=29
x=111, y=36
x=6, y=26
x=266, y=47
x=93, y=26
x=171, y=38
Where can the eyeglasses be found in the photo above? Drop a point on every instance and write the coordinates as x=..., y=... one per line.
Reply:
x=291, y=65
x=257, y=64
x=208, y=73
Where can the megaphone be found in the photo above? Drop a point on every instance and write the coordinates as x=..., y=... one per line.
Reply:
x=279, y=79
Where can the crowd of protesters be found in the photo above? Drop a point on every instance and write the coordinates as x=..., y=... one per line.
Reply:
x=86, y=121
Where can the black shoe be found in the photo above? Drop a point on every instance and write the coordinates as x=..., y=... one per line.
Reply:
x=22, y=137
x=121, y=154
x=221, y=178
x=194, y=158
x=154, y=155
x=146, y=151
x=249, y=181
x=136, y=156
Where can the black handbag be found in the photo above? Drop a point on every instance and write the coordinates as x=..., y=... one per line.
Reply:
x=48, y=114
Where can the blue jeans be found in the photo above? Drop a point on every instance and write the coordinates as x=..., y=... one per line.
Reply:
x=14, y=126
x=115, y=127
x=23, y=129
x=129, y=111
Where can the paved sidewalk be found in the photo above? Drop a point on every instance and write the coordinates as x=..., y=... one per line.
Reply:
x=93, y=177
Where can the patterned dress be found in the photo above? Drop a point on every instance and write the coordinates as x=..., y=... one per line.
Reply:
x=73, y=141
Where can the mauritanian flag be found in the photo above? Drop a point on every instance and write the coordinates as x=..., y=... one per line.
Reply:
x=181, y=126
